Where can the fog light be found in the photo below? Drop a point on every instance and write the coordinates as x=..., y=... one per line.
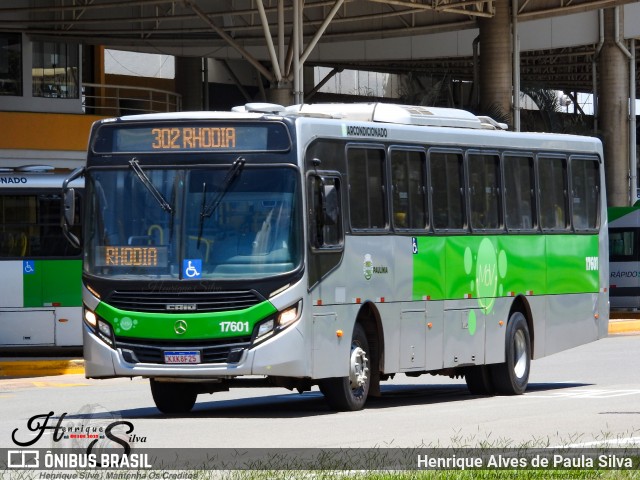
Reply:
x=265, y=328
x=104, y=331
x=104, y=328
x=235, y=355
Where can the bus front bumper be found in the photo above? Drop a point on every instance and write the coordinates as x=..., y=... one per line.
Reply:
x=281, y=355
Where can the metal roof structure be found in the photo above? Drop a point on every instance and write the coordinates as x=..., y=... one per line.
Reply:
x=397, y=36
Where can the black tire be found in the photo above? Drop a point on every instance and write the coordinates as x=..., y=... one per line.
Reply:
x=173, y=397
x=479, y=380
x=350, y=393
x=512, y=376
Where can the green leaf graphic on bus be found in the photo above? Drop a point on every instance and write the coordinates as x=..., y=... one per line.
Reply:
x=124, y=324
x=491, y=266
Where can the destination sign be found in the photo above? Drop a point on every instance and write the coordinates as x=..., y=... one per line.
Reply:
x=130, y=256
x=191, y=137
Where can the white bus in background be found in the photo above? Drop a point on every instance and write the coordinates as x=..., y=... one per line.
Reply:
x=41, y=296
x=624, y=257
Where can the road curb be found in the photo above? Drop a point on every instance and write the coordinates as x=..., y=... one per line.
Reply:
x=40, y=368
x=624, y=326
x=46, y=368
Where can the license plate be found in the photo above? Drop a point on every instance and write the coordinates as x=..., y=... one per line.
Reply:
x=182, y=357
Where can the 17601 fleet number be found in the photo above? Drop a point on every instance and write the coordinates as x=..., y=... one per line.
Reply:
x=235, y=327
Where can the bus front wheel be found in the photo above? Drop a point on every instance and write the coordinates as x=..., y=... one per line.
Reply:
x=173, y=397
x=512, y=376
x=350, y=393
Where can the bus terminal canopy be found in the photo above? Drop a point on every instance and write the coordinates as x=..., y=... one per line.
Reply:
x=376, y=35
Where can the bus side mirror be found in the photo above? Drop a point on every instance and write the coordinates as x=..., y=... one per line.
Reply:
x=69, y=206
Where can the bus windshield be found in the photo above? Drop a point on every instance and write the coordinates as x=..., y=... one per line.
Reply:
x=219, y=226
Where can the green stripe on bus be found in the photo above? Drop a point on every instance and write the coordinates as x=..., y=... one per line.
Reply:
x=474, y=266
x=53, y=282
x=614, y=213
x=162, y=326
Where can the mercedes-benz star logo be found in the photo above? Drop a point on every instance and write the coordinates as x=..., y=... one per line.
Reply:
x=180, y=327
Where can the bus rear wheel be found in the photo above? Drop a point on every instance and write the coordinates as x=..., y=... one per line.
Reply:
x=173, y=397
x=512, y=376
x=350, y=393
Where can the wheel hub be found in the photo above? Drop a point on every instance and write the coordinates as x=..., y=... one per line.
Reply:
x=359, y=368
x=520, y=354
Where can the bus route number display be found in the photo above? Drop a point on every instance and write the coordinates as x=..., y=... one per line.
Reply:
x=193, y=138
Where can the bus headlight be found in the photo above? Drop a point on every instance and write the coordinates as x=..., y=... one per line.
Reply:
x=290, y=314
x=90, y=318
x=99, y=327
x=285, y=318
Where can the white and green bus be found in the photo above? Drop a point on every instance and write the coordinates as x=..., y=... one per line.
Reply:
x=41, y=293
x=624, y=257
x=337, y=245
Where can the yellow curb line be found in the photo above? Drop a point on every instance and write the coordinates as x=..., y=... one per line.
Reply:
x=626, y=326
x=41, y=368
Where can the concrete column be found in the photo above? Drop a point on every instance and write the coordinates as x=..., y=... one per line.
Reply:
x=282, y=95
x=613, y=108
x=496, y=76
x=189, y=82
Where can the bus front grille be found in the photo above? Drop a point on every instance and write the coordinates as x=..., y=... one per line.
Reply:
x=167, y=302
x=153, y=352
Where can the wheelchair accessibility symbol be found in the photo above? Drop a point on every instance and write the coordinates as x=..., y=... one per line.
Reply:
x=28, y=267
x=192, y=268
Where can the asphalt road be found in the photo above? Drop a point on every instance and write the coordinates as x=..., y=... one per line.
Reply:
x=581, y=396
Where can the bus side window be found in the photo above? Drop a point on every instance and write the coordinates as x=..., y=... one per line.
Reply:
x=367, y=195
x=325, y=212
x=519, y=192
x=408, y=181
x=447, y=191
x=31, y=226
x=623, y=244
x=553, y=193
x=484, y=191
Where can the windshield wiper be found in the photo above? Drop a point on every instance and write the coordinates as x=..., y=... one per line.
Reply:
x=146, y=181
x=233, y=172
x=207, y=210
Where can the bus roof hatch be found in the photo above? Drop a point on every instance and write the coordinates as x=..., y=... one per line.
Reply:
x=399, y=114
